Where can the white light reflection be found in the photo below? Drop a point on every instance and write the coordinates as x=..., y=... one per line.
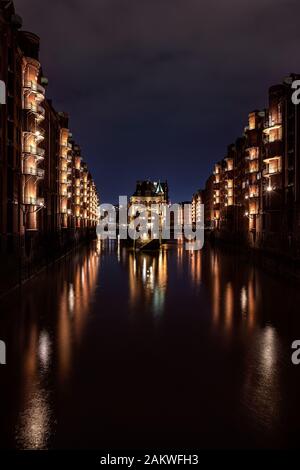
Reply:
x=34, y=427
x=71, y=298
x=144, y=269
x=268, y=351
x=261, y=391
x=244, y=300
x=44, y=350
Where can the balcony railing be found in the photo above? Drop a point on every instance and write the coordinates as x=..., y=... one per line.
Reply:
x=41, y=111
x=36, y=151
x=38, y=172
x=35, y=108
x=272, y=123
x=40, y=133
x=271, y=171
x=35, y=87
x=34, y=201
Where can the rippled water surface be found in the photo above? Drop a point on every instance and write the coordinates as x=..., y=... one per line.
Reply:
x=173, y=349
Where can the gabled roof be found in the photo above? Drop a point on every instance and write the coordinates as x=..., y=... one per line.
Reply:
x=159, y=189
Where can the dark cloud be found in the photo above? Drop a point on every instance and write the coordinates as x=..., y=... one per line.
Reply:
x=158, y=88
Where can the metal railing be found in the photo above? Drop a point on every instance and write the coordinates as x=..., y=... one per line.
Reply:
x=37, y=151
x=34, y=201
x=34, y=172
x=36, y=87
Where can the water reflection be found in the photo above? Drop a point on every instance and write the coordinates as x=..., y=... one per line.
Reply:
x=74, y=302
x=235, y=295
x=34, y=423
x=44, y=350
x=148, y=276
x=108, y=312
x=229, y=307
x=195, y=262
x=261, y=389
x=53, y=312
x=34, y=427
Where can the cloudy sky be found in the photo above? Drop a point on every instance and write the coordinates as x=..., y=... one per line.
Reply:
x=159, y=88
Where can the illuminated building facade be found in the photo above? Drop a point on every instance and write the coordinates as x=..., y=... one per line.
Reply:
x=48, y=197
x=217, y=180
x=250, y=170
x=197, y=201
x=10, y=128
x=154, y=196
x=253, y=195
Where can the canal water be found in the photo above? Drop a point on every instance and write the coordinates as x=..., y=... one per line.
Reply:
x=177, y=349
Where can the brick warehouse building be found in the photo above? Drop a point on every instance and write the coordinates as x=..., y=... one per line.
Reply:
x=47, y=194
x=253, y=196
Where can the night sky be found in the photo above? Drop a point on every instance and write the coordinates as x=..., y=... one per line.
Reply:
x=159, y=88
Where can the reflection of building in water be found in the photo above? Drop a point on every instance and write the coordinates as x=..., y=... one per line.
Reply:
x=180, y=253
x=75, y=290
x=233, y=299
x=261, y=387
x=74, y=307
x=35, y=421
x=195, y=261
x=147, y=281
x=229, y=306
x=216, y=288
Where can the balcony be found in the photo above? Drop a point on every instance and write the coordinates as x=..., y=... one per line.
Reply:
x=35, y=151
x=40, y=111
x=274, y=148
x=272, y=124
x=38, y=172
x=34, y=87
x=253, y=153
x=39, y=134
x=254, y=195
x=273, y=166
x=267, y=172
x=34, y=201
x=34, y=108
x=252, y=169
